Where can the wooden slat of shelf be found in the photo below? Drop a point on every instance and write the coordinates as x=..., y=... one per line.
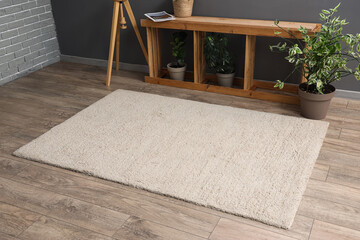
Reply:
x=239, y=82
x=229, y=91
x=233, y=25
x=274, y=97
x=175, y=83
x=292, y=88
x=254, y=94
x=225, y=90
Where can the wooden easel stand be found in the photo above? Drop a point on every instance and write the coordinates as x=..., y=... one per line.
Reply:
x=119, y=23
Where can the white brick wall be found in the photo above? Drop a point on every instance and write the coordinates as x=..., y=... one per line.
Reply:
x=27, y=37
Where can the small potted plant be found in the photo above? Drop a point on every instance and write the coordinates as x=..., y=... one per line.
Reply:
x=183, y=8
x=322, y=58
x=177, y=69
x=219, y=59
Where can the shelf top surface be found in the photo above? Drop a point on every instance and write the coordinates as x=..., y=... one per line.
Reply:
x=232, y=25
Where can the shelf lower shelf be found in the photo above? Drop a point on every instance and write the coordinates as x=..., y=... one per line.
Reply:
x=260, y=89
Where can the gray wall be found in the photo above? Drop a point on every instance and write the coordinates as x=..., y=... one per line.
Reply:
x=27, y=37
x=84, y=29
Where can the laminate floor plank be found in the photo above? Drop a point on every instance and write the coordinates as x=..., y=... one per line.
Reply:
x=343, y=146
x=354, y=105
x=139, y=229
x=339, y=103
x=320, y=172
x=344, y=112
x=9, y=168
x=327, y=211
x=344, y=176
x=4, y=236
x=14, y=220
x=335, y=158
x=49, y=228
x=231, y=230
x=300, y=228
x=333, y=192
x=333, y=132
x=326, y=231
x=350, y=135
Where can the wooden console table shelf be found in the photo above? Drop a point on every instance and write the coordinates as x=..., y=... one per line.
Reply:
x=247, y=87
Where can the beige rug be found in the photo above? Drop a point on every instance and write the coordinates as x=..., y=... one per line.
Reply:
x=243, y=162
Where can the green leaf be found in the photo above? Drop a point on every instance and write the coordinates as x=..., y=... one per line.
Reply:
x=338, y=46
x=277, y=33
x=319, y=86
x=337, y=6
x=279, y=84
x=276, y=22
x=326, y=11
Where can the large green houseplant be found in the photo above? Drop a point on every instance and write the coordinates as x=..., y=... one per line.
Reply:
x=219, y=59
x=322, y=58
x=177, y=69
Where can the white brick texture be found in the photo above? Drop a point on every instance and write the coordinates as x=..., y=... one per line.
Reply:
x=28, y=39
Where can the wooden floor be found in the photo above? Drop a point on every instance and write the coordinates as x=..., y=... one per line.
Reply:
x=38, y=201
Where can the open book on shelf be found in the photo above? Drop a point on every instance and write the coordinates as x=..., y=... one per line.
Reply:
x=160, y=16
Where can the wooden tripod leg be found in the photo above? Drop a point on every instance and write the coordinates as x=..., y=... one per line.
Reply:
x=112, y=40
x=117, y=47
x=136, y=28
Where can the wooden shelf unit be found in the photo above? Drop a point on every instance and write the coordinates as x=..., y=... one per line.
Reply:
x=200, y=25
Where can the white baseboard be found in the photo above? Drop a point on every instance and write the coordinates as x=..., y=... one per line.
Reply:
x=347, y=94
x=145, y=69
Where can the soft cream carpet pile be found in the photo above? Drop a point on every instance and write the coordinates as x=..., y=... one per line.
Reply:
x=248, y=163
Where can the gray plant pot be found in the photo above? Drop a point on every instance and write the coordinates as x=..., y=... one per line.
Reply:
x=225, y=80
x=315, y=106
x=176, y=73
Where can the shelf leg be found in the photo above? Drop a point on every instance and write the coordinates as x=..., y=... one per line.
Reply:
x=249, y=61
x=199, y=58
x=149, y=34
x=159, y=50
x=156, y=51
